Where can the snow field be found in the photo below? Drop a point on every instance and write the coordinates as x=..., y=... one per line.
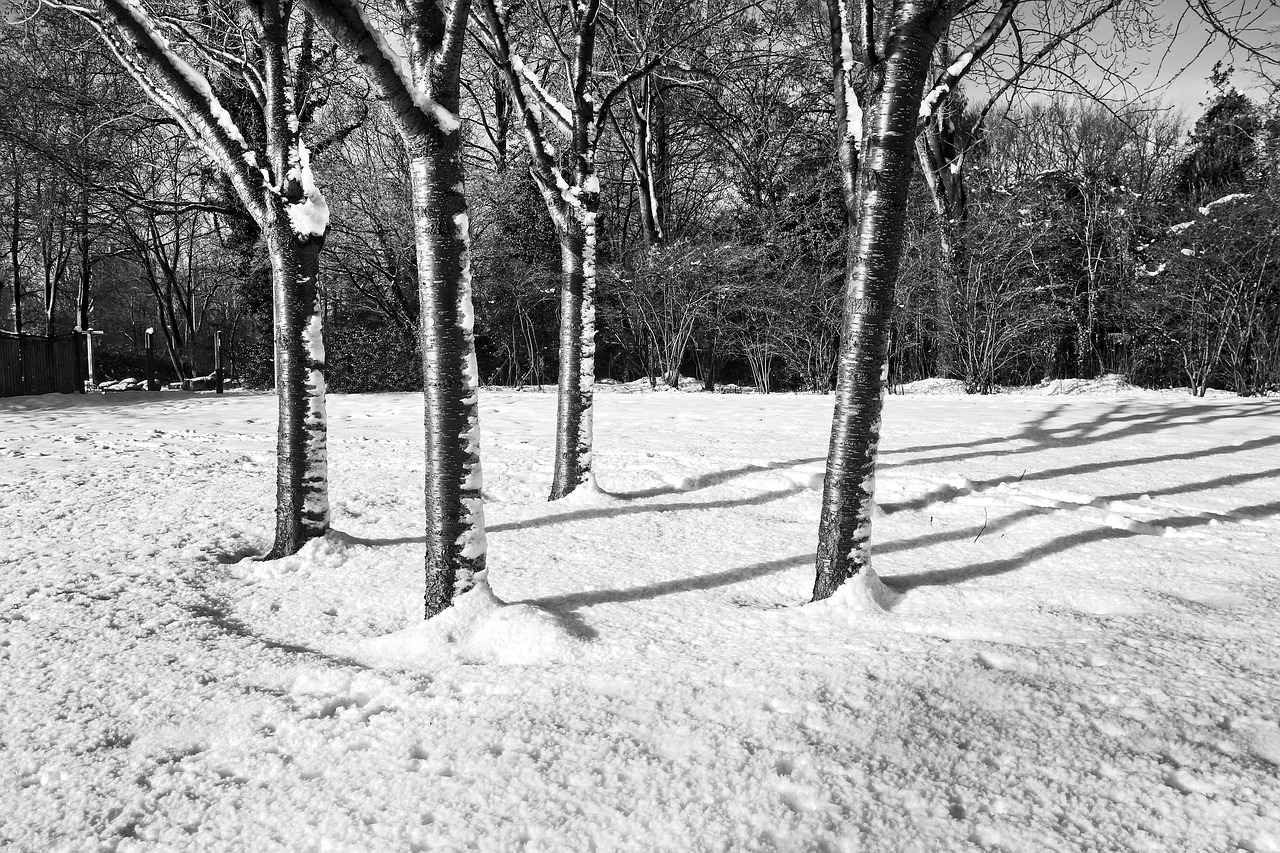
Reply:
x=1083, y=655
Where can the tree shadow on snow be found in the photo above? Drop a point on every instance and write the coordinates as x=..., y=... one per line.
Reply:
x=1138, y=419
x=596, y=513
x=217, y=613
x=944, y=493
x=946, y=577
x=574, y=600
x=715, y=478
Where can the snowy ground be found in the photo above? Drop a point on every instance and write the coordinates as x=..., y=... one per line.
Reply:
x=1086, y=656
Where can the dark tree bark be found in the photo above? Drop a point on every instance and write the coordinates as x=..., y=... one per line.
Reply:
x=941, y=162
x=577, y=358
x=425, y=108
x=898, y=73
x=302, y=499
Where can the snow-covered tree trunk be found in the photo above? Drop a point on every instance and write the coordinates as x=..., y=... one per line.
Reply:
x=422, y=97
x=572, y=196
x=277, y=188
x=577, y=354
x=302, y=495
x=451, y=381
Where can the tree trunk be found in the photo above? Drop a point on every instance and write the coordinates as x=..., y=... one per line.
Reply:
x=302, y=479
x=874, y=252
x=456, y=542
x=577, y=355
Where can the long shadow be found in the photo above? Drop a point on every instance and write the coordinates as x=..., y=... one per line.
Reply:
x=1144, y=423
x=1226, y=480
x=1007, y=521
x=216, y=612
x=706, y=481
x=950, y=492
x=947, y=577
x=600, y=512
x=991, y=527
x=618, y=512
x=575, y=600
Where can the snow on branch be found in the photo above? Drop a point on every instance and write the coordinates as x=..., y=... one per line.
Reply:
x=950, y=76
x=560, y=114
x=542, y=163
x=852, y=106
x=176, y=86
x=351, y=27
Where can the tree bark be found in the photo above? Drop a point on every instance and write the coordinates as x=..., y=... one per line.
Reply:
x=425, y=108
x=577, y=355
x=874, y=251
x=302, y=497
x=455, y=511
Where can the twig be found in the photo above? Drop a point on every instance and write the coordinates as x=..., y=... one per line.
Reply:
x=984, y=526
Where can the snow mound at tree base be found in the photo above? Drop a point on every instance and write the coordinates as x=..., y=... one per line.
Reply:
x=324, y=553
x=479, y=628
x=864, y=593
x=588, y=492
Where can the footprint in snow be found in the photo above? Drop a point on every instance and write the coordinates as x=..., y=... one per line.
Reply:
x=998, y=661
x=682, y=482
x=1185, y=783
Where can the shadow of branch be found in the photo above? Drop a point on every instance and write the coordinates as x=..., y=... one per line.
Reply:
x=575, y=600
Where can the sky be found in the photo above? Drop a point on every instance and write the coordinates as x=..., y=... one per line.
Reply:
x=1166, y=59
x=1176, y=72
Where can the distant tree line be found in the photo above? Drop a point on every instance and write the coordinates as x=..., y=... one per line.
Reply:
x=720, y=218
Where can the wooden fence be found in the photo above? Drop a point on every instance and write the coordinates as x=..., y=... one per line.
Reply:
x=32, y=364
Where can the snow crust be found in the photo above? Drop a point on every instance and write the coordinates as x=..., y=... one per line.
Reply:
x=1079, y=650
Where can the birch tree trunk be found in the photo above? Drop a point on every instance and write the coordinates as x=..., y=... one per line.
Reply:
x=278, y=191
x=899, y=110
x=451, y=382
x=873, y=253
x=302, y=497
x=424, y=104
x=577, y=355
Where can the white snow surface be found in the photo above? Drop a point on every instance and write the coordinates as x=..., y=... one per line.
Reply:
x=1077, y=648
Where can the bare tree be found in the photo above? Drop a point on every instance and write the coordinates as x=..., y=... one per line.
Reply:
x=876, y=162
x=572, y=191
x=273, y=181
x=423, y=100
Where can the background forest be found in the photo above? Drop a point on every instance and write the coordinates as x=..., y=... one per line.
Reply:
x=1068, y=235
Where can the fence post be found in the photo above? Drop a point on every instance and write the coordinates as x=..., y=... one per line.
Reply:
x=152, y=385
x=217, y=361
